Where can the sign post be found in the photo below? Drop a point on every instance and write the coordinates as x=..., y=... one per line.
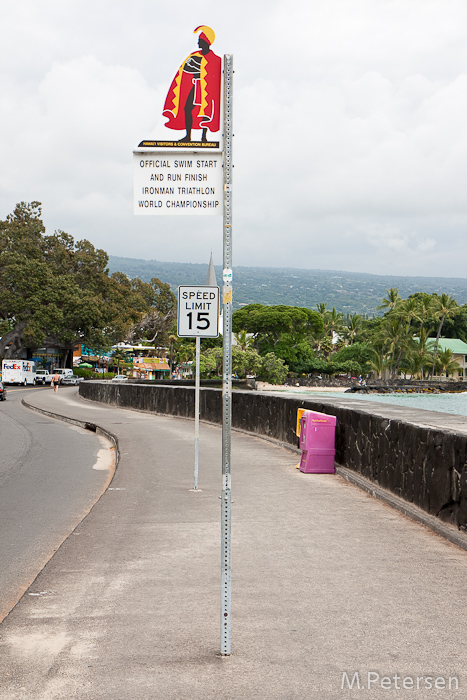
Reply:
x=198, y=317
x=198, y=354
x=226, y=499
x=192, y=176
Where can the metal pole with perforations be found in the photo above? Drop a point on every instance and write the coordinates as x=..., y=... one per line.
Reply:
x=226, y=593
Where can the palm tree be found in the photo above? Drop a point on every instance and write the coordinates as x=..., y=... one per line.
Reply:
x=424, y=357
x=326, y=347
x=446, y=363
x=411, y=364
x=334, y=321
x=185, y=352
x=353, y=327
x=416, y=357
x=321, y=309
x=426, y=311
x=394, y=341
x=243, y=340
x=173, y=339
x=392, y=300
x=377, y=363
x=447, y=307
x=409, y=311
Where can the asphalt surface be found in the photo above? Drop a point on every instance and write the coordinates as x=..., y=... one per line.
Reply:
x=51, y=474
x=327, y=581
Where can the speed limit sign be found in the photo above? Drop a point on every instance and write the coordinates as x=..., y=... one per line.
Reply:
x=198, y=312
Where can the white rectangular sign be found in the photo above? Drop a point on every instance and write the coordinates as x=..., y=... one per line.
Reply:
x=178, y=183
x=198, y=312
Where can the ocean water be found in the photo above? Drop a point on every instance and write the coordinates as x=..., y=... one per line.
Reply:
x=455, y=404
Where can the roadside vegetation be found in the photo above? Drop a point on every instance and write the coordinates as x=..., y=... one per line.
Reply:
x=273, y=342
x=58, y=292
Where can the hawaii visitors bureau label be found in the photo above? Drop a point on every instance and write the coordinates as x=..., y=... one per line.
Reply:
x=178, y=183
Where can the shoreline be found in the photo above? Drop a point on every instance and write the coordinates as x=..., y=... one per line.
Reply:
x=356, y=390
x=264, y=386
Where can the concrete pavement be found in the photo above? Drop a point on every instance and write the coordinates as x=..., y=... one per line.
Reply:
x=331, y=587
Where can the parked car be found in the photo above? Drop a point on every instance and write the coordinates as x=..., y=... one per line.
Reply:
x=2, y=392
x=72, y=379
x=62, y=372
x=43, y=376
x=120, y=378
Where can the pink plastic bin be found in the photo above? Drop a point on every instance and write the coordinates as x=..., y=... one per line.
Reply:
x=317, y=442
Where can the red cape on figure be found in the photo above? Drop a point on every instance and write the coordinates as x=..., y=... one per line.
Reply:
x=206, y=111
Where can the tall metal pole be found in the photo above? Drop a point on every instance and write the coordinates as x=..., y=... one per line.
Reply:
x=198, y=353
x=227, y=365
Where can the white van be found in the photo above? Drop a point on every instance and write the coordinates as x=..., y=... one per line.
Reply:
x=62, y=371
x=18, y=372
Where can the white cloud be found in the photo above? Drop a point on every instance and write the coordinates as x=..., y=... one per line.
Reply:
x=350, y=146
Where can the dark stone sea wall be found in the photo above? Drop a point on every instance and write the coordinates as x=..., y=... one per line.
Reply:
x=424, y=464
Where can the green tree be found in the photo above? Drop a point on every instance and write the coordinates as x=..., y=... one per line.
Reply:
x=445, y=362
x=56, y=292
x=359, y=354
x=391, y=301
x=409, y=311
x=243, y=340
x=214, y=358
x=273, y=369
x=246, y=361
x=207, y=364
x=154, y=325
x=277, y=329
x=419, y=357
x=456, y=327
x=333, y=323
x=353, y=328
x=378, y=362
x=446, y=307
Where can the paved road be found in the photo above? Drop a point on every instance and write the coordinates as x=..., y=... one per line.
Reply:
x=327, y=581
x=47, y=485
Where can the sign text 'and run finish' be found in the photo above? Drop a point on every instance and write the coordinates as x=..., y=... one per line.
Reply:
x=178, y=183
x=198, y=312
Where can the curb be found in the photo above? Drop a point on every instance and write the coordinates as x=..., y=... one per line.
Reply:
x=408, y=509
x=82, y=424
x=411, y=511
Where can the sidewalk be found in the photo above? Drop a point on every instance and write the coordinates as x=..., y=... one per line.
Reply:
x=326, y=581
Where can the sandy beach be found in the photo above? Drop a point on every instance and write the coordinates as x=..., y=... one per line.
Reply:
x=264, y=386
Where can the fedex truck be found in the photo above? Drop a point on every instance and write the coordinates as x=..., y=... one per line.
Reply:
x=18, y=372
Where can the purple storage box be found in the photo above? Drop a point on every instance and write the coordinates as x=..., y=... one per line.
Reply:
x=317, y=442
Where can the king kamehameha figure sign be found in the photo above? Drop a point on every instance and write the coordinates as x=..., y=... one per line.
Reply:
x=184, y=175
x=193, y=100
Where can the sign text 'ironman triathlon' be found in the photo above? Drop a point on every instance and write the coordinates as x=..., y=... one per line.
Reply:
x=198, y=312
x=178, y=183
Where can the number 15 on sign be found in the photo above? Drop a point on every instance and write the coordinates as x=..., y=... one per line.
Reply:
x=198, y=312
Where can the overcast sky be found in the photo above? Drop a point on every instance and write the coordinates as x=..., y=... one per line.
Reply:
x=350, y=123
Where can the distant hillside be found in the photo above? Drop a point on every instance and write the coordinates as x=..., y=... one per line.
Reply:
x=349, y=292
